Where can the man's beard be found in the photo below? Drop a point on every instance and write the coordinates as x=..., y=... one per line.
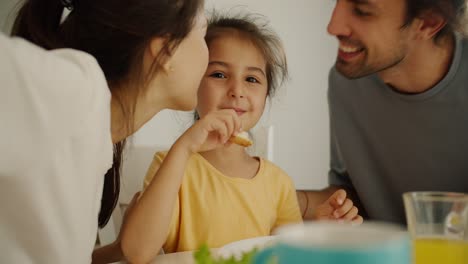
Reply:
x=363, y=69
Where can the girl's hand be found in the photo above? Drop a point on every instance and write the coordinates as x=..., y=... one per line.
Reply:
x=211, y=131
x=338, y=208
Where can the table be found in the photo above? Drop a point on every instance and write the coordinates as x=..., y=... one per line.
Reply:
x=177, y=258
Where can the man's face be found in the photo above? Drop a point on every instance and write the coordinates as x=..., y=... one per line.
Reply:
x=371, y=35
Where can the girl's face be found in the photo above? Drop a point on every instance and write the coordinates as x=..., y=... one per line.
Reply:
x=235, y=79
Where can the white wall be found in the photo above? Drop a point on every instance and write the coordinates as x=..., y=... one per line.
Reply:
x=299, y=113
x=6, y=14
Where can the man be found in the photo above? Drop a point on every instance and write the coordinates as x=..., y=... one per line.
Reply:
x=398, y=101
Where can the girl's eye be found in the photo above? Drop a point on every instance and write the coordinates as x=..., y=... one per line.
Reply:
x=252, y=80
x=218, y=75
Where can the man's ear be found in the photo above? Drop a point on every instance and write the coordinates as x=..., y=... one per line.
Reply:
x=430, y=23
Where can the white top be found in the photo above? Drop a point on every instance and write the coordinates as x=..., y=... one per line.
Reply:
x=55, y=147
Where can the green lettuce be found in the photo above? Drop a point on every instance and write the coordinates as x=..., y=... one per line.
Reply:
x=203, y=256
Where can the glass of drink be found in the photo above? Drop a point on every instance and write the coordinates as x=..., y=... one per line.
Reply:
x=438, y=225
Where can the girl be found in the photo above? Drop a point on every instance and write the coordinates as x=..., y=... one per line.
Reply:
x=205, y=190
x=63, y=109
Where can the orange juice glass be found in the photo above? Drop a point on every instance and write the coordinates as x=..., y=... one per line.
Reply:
x=438, y=225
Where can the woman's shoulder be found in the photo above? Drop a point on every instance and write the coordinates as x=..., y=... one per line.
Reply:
x=64, y=80
x=26, y=54
x=66, y=72
x=63, y=91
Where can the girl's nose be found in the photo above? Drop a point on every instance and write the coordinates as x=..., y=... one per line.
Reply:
x=237, y=89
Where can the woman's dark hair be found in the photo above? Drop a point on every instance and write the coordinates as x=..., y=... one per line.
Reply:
x=256, y=29
x=453, y=11
x=116, y=33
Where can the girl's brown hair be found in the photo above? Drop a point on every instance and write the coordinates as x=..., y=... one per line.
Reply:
x=116, y=33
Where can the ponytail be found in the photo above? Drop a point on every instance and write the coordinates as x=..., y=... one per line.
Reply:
x=111, y=191
x=39, y=22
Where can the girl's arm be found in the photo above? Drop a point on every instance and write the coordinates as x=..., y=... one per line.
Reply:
x=113, y=253
x=148, y=223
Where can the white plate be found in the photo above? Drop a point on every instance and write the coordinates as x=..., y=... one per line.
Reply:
x=237, y=248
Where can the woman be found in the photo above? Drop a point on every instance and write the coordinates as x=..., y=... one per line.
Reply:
x=63, y=109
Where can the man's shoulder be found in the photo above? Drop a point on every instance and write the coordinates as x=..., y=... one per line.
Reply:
x=464, y=42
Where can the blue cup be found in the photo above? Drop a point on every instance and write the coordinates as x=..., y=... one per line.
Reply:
x=333, y=243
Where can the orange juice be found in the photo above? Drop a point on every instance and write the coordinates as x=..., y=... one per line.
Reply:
x=440, y=251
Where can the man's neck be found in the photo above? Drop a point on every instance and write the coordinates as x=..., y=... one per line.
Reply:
x=423, y=67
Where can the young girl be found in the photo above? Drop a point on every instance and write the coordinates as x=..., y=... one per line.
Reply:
x=71, y=87
x=205, y=189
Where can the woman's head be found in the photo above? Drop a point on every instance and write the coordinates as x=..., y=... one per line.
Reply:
x=183, y=71
x=247, y=64
x=118, y=33
x=138, y=44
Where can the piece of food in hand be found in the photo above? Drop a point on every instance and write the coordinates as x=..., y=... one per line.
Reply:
x=242, y=139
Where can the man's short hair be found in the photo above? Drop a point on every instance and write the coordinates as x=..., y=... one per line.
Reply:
x=453, y=11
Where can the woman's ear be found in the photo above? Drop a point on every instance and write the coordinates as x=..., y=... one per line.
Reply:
x=157, y=46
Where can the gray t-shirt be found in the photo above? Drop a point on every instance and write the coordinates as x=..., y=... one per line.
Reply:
x=385, y=143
